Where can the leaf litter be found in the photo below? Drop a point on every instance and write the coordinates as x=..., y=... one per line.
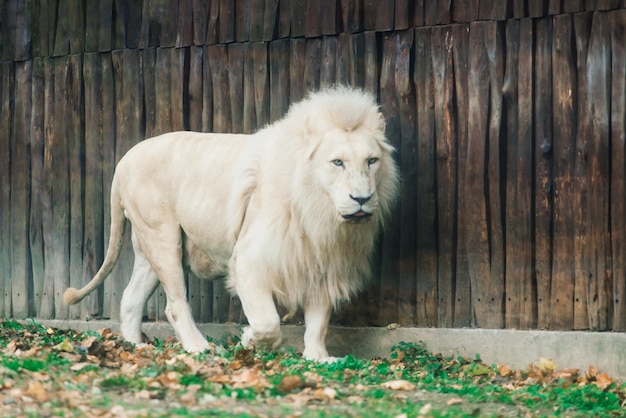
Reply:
x=53, y=372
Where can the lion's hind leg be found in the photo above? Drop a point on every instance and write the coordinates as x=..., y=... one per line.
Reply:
x=163, y=248
x=143, y=283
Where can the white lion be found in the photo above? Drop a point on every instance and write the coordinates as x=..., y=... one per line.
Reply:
x=290, y=213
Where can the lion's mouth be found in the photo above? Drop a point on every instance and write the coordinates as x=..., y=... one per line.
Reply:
x=358, y=216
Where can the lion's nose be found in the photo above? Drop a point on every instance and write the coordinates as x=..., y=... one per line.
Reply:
x=361, y=200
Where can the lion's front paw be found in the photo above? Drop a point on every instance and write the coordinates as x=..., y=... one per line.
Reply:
x=198, y=347
x=270, y=341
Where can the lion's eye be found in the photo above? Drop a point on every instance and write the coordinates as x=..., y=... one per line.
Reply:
x=337, y=162
x=372, y=161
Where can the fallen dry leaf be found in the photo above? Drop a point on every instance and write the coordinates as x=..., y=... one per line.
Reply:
x=454, y=401
x=398, y=385
x=289, y=383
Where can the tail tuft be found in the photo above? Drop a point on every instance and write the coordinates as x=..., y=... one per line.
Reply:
x=72, y=296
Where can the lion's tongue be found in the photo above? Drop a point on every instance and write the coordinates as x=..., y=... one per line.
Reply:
x=360, y=213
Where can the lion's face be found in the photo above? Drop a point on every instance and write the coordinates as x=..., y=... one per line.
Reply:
x=348, y=166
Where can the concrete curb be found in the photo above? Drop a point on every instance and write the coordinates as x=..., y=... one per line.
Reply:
x=569, y=349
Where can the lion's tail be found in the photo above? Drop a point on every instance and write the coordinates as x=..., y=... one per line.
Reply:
x=71, y=295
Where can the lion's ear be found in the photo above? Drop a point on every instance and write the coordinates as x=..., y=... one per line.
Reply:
x=381, y=124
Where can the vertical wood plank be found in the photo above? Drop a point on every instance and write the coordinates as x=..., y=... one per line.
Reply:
x=598, y=111
x=414, y=281
x=312, y=64
x=58, y=182
x=279, y=78
x=249, y=107
x=328, y=67
x=482, y=200
x=133, y=23
x=581, y=171
x=46, y=309
x=235, y=84
x=6, y=115
x=390, y=244
x=445, y=158
x=525, y=155
x=195, y=87
x=544, y=186
x=184, y=24
x=372, y=69
x=618, y=168
x=351, y=15
x=21, y=275
x=93, y=251
x=75, y=132
x=297, y=62
x=261, y=83
x=514, y=260
x=108, y=161
x=36, y=190
x=563, y=86
x=227, y=22
x=200, y=10
x=270, y=19
x=462, y=296
x=419, y=194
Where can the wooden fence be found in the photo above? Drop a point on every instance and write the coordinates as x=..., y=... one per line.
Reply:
x=508, y=116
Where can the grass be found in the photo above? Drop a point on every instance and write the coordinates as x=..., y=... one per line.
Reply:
x=51, y=372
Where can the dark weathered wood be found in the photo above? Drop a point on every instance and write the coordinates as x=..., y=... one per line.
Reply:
x=212, y=25
x=19, y=139
x=235, y=84
x=537, y=8
x=372, y=71
x=93, y=251
x=463, y=315
x=46, y=309
x=514, y=259
x=418, y=13
x=195, y=87
x=98, y=31
x=119, y=25
x=403, y=14
x=442, y=122
x=483, y=233
x=185, y=26
x=279, y=78
x=520, y=294
x=581, y=221
x=227, y=22
x=464, y=11
x=75, y=132
x=207, y=92
x=573, y=6
x=544, y=185
x=520, y=9
x=554, y=7
x=328, y=66
x=431, y=13
x=494, y=10
x=6, y=114
x=218, y=58
x=284, y=19
x=525, y=155
x=298, y=17
x=565, y=200
x=423, y=172
x=36, y=165
x=200, y=10
x=413, y=250
x=270, y=19
x=132, y=23
x=597, y=112
x=594, y=5
x=57, y=173
x=261, y=83
x=389, y=290
x=618, y=167
x=312, y=64
x=330, y=17
x=249, y=108
x=297, y=62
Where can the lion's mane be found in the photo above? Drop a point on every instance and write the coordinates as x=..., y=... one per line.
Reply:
x=304, y=250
